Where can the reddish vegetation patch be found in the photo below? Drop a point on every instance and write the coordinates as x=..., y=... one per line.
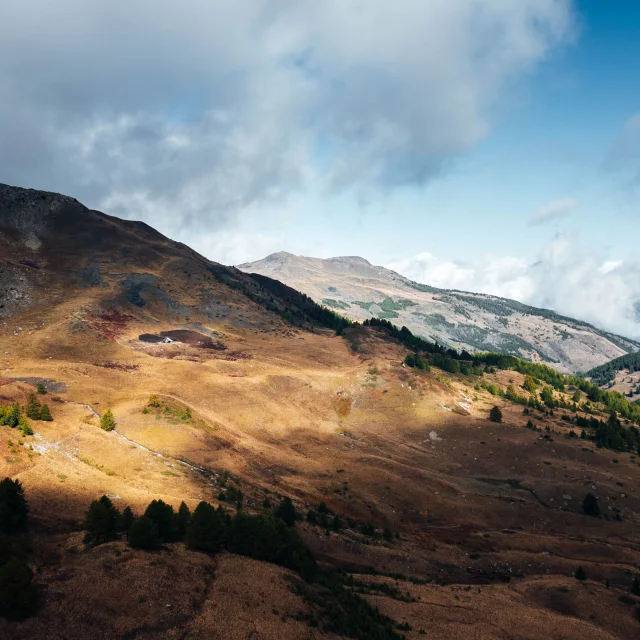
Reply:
x=117, y=365
x=111, y=323
x=235, y=355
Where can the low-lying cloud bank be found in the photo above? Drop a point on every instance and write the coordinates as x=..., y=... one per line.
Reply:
x=564, y=278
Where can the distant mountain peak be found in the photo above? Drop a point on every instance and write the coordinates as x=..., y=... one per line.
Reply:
x=463, y=320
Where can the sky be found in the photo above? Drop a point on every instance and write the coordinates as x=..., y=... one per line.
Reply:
x=485, y=145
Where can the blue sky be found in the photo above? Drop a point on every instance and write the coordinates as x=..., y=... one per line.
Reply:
x=552, y=139
x=489, y=145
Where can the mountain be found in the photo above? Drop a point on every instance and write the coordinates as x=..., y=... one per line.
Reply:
x=475, y=322
x=335, y=491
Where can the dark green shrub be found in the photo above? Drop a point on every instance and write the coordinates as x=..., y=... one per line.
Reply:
x=311, y=517
x=495, y=415
x=580, y=574
x=41, y=389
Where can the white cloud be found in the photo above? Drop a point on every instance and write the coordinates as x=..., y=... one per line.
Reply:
x=190, y=114
x=564, y=278
x=554, y=210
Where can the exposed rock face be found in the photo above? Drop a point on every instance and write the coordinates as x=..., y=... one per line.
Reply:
x=476, y=322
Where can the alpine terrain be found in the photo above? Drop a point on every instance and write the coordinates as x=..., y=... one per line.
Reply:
x=189, y=450
x=475, y=322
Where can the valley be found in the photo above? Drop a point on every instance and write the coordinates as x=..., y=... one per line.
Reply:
x=241, y=392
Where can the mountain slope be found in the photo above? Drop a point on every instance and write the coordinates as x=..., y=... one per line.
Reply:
x=229, y=389
x=476, y=322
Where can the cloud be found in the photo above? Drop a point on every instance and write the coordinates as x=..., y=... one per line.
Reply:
x=554, y=210
x=191, y=115
x=564, y=278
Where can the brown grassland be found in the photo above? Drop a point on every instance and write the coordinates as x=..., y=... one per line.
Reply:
x=487, y=516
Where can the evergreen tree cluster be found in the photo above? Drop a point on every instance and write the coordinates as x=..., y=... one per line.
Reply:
x=13, y=416
x=18, y=594
x=606, y=372
x=610, y=434
x=268, y=537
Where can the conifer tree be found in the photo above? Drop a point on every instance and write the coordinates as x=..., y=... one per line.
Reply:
x=207, y=529
x=161, y=514
x=13, y=415
x=25, y=427
x=107, y=421
x=41, y=389
x=143, y=534
x=182, y=521
x=495, y=415
x=101, y=521
x=126, y=519
x=33, y=408
x=580, y=574
x=45, y=413
x=286, y=512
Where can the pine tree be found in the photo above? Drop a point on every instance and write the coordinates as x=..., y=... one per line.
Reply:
x=336, y=525
x=126, y=519
x=207, y=529
x=495, y=415
x=41, y=389
x=25, y=427
x=590, y=506
x=13, y=417
x=33, y=408
x=182, y=521
x=13, y=506
x=161, y=514
x=45, y=413
x=143, y=534
x=311, y=517
x=107, y=421
x=18, y=594
x=286, y=512
x=101, y=521
x=635, y=586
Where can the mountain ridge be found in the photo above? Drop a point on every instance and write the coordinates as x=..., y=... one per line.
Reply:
x=460, y=319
